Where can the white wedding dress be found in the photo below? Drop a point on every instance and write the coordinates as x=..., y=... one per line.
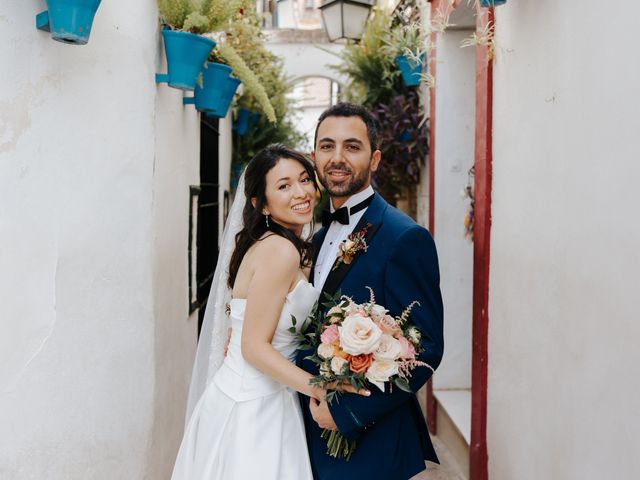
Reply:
x=246, y=425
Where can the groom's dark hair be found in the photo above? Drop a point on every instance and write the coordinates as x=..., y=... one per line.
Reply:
x=344, y=109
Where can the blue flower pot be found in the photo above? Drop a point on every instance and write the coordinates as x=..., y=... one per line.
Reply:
x=228, y=91
x=410, y=71
x=255, y=118
x=208, y=95
x=69, y=21
x=186, y=53
x=492, y=3
x=236, y=171
x=242, y=124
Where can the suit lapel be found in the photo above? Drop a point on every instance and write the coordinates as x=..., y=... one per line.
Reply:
x=317, y=241
x=372, y=217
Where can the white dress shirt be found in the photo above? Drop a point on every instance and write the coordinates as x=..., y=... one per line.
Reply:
x=336, y=234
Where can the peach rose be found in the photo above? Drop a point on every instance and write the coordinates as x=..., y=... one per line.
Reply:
x=360, y=363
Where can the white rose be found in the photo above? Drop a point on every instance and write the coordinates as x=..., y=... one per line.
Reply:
x=389, y=348
x=380, y=371
x=337, y=364
x=378, y=311
x=325, y=351
x=359, y=335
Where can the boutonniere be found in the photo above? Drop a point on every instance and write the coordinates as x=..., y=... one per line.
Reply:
x=354, y=243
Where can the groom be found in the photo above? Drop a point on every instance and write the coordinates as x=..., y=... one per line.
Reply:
x=400, y=265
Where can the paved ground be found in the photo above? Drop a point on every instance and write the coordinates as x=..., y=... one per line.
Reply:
x=447, y=470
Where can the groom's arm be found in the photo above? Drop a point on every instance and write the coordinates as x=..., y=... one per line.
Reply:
x=412, y=274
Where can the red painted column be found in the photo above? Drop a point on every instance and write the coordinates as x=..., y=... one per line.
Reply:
x=431, y=401
x=478, y=461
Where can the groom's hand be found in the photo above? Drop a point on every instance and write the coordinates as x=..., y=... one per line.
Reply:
x=321, y=414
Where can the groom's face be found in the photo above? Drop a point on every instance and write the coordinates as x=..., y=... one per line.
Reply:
x=343, y=157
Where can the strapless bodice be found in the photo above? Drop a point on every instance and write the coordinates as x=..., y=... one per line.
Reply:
x=236, y=377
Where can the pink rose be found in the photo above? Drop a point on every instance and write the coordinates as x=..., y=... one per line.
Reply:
x=330, y=335
x=408, y=350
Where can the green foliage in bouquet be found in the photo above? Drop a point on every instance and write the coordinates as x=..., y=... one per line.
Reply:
x=362, y=345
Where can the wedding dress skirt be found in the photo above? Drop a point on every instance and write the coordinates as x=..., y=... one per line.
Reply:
x=246, y=425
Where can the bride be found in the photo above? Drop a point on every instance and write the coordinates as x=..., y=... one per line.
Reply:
x=243, y=417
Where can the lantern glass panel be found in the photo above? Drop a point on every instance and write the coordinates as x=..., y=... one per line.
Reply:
x=355, y=18
x=332, y=19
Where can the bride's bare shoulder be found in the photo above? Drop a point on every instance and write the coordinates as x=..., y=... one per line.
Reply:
x=274, y=248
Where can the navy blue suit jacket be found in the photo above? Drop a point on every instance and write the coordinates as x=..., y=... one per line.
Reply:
x=400, y=265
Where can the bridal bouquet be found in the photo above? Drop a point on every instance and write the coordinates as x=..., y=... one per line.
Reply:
x=361, y=345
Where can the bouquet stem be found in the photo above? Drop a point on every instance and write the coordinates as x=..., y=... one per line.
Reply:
x=337, y=445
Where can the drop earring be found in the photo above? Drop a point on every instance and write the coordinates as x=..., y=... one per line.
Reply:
x=266, y=220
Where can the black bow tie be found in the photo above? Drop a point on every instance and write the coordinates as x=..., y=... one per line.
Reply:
x=341, y=214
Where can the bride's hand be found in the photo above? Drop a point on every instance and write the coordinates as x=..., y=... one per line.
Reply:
x=348, y=388
x=321, y=393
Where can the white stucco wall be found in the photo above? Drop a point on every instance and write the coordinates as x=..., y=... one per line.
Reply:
x=95, y=163
x=563, y=314
x=453, y=153
x=306, y=54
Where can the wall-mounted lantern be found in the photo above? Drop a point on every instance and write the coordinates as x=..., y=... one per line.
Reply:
x=345, y=18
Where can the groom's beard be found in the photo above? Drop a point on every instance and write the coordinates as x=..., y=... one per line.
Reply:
x=345, y=188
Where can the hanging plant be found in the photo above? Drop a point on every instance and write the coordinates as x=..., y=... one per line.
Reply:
x=408, y=42
x=247, y=39
x=251, y=82
x=187, y=20
x=214, y=91
x=186, y=50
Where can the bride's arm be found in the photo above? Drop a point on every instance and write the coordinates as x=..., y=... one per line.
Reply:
x=276, y=268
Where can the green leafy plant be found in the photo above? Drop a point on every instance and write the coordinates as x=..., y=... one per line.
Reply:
x=199, y=16
x=208, y=16
x=374, y=81
x=246, y=38
x=409, y=38
x=249, y=79
x=369, y=65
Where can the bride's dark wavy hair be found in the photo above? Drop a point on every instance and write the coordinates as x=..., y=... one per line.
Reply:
x=255, y=176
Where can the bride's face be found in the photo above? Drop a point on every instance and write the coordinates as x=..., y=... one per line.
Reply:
x=291, y=195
